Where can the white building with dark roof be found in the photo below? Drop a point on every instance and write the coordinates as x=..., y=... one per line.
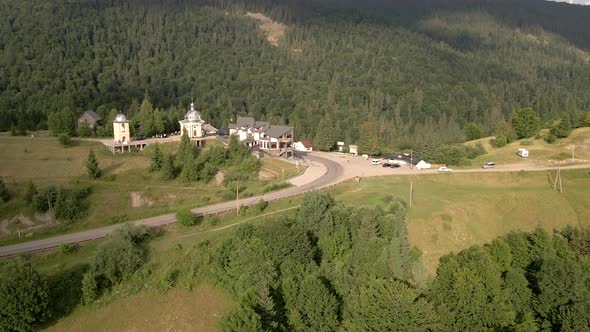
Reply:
x=263, y=135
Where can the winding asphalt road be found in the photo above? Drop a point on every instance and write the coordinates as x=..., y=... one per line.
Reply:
x=330, y=174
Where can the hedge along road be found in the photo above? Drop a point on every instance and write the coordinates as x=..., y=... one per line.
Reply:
x=322, y=173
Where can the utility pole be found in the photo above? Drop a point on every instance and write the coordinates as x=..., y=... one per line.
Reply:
x=558, y=179
x=237, y=197
x=574, y=153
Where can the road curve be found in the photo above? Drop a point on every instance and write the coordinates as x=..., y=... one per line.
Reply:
x=332, y=173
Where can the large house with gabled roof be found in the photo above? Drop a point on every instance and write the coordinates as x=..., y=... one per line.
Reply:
x=263, y=135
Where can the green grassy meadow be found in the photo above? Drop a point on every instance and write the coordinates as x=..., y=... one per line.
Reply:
x=126, y=191
x=541, y=152
x=451, y=212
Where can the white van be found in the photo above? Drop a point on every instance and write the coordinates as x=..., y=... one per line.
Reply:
x=376, y=162
x=523, y=153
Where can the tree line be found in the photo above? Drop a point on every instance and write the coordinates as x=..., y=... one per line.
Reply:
x=425, y=72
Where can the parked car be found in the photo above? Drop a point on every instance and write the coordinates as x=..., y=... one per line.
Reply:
x=489, y=165
x=390, y=165
x=444, y=169
x=376, y=162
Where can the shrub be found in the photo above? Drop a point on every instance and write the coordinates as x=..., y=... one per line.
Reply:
x=550, y=138
x=4, y=195
x=228, y=195
x=261, y=205
x=23, y=297
x=500, y=141
x=274, y=186
x=117, y=258
x=84, y=130
x=30, y=192
x=472, y=132
x=526, y=142
x=89, y=288
x=186, y=218
x=563, y=129
x=64, y=139
x=68, y=248
x=118, y=219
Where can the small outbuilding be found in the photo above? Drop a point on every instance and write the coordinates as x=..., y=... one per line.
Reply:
x=90, y=118
x=304, y=145
x=353, y=150
x=423, y=165
x=524, y=153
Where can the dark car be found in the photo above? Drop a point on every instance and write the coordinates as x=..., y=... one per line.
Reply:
x=390, y=165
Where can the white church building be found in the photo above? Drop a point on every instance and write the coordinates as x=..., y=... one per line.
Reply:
x=192, y=124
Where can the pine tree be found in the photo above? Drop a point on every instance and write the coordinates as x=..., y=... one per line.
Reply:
x=564, y=128
x=167, y=169
x=369, y=142
x=324, y=140
x=190, y=171
x=157, y=157
x=30, y=192
x=4, y=195
x=186, y=150
x=92, y=168
x=526, y=122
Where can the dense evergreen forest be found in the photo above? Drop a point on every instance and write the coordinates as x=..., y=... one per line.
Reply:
x=424, y=70
x=330, y=268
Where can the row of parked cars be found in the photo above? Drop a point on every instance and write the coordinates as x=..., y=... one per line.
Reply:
x=442, y=169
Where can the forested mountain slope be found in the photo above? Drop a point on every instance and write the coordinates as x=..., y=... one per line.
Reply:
x=424, y=69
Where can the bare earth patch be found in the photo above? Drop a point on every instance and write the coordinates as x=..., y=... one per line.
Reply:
x=273, y=30
x=218, y=179
x=137, y=200
x=266, y=174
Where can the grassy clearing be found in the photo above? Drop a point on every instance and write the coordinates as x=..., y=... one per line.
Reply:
x=126, y=191
x=454, y=211
x=177, y=310
x=280, y=169
x=540, y=152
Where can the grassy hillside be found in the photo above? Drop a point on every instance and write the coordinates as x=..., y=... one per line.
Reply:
x=178, y=310
x=450, y=212
x=126, y=191
x=454, y=211
x=541, y=152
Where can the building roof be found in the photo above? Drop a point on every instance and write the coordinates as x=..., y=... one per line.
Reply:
x=92, y=115
x=413, y=159
x=120, y=118
x=232, y=126
x=306, y=143
x=207, y=127
x=245, y=121
x=262, y=125
x=278, y=131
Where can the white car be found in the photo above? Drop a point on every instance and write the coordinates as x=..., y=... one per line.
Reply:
x=376, y=162
x=444, y=169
